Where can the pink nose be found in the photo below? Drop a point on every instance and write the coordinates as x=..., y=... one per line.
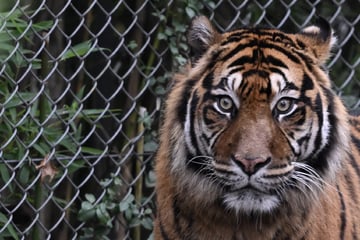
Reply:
x=251, y=165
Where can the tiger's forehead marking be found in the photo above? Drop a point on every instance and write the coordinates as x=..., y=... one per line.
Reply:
x=235, y=80
x=278, y=83
x=236, y=83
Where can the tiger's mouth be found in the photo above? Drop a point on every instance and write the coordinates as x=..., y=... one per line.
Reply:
x=250, y=199
x=251, y=189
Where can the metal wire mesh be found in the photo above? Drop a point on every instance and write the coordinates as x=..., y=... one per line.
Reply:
x=81, y=83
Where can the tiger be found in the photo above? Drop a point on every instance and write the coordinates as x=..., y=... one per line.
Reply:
x=254, y=143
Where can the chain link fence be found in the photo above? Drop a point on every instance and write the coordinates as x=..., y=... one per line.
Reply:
x=80, y=92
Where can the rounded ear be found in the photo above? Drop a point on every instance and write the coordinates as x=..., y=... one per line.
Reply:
x=319, y=39
x=200, y=36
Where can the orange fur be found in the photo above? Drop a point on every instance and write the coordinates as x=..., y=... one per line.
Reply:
x=300, y=191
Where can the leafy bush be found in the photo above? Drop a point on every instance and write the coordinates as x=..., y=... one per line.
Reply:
x=31, y=126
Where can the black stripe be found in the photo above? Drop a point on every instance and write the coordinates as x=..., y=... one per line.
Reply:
x=214, y=59
x=237, y=35
x=246, y=90
x=321, y=163
x=301, y=44
x=303, y=140
x=177, y=215
x=206, y=110
x=299, y=111
x=251, y=72
x=208, y=80
x=354, y=232
x=239, y=48
x=205, y=139
x=223, y=84
x=274, y=34
x=241, y=61
x=253, y=41
x=355, y=165
x=281, y=49
x=319, y=113
x=276, y=176
x=342, y=214
x=192, y=115
x=236, y=70
x=275, y=61
x=352, y=190
x=281, y=37
x=307, y=84
x=266, y=90
x=356, y=141
x=181, y=109
x=196, y=166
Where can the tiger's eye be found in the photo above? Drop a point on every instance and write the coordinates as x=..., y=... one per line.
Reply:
x=284, y=105
x=225, y=103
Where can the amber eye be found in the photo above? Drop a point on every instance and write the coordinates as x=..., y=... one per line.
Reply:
x=225, y=103
x=284, y=105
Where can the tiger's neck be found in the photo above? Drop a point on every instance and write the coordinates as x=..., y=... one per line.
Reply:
x=192, y=219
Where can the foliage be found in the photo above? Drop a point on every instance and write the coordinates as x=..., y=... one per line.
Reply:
x=99, y=214
x=31, y=127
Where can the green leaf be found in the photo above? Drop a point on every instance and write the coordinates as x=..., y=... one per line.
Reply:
x=117, y=181
x=20, y=99
x=103, y=215
x=90, y=197
x=86, y=205
x=169, y=31
x=147, y=223
x=5, y=176
x=190, y=12
x=79, y=50
x=148, y=211
x=42, y=148
x=9, y=227
x=162, y=36
x=123, y=206
x=43, y=25
x=68, y=144
x=24, y=175
x=87, y=211
x=92, y=151
x=3, y=218
x=150, y=146
x=132, y=45
x=75, y=165
x=86, y=214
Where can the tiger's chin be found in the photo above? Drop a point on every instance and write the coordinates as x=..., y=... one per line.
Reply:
x=250, y=201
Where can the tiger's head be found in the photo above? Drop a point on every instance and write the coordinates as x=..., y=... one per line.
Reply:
x=252, y=120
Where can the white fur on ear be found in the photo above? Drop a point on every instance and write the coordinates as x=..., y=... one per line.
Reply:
x=316, y=31
x=320, y=38
x=202, y=31
x=201, y=34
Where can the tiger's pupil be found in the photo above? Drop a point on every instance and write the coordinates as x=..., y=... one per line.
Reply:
x=284, y=105
x=225, y=103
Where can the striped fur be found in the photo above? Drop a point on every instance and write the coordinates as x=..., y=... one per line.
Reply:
x=255, y=144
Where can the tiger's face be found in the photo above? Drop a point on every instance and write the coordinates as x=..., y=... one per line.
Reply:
x=255, y=117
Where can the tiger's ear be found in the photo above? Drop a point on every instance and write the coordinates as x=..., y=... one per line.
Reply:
x=200, y=36
x=319, y=39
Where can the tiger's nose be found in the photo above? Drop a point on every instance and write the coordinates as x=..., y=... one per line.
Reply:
x=251, y=165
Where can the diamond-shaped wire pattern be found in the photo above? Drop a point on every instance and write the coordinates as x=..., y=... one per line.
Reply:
x=80, y=89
